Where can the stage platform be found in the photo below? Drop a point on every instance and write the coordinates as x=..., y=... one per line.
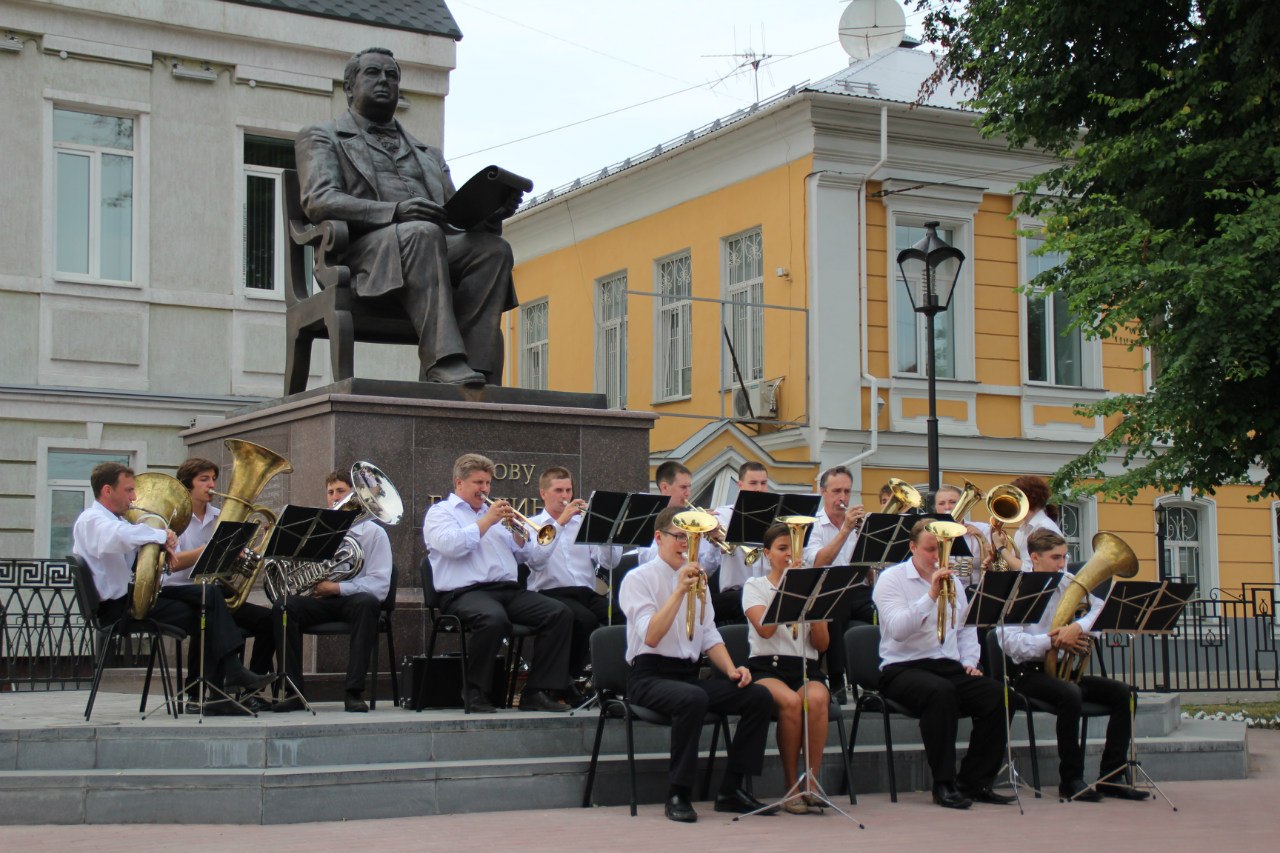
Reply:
x=290, y=768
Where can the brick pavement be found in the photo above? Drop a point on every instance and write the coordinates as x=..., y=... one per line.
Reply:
x=1235, y=815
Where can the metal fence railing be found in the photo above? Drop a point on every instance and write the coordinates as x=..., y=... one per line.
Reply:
x=45, y=643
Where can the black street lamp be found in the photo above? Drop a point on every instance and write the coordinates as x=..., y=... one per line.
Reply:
x=936, y=270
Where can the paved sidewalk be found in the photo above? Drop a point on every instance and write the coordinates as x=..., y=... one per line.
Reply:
x=1236, y=816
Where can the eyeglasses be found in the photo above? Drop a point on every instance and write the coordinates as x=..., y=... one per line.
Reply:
x=679, y=537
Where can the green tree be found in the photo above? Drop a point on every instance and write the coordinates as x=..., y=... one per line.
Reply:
x=1166, y=203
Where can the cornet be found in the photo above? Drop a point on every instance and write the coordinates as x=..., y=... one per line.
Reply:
x=544, y=534
x=944, y=532
x=696, y=524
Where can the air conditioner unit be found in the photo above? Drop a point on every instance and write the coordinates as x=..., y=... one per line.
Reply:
x=762, y=397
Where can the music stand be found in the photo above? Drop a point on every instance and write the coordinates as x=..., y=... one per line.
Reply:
x=1010, y=598
x=884, y=540
x=214, y=565
x=304, y=534
x=1140, y=607
x=755, y=512
x=620, y=519
x=807, y=596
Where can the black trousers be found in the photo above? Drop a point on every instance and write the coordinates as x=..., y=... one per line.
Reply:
x=180, y=606
x=728, y=606
x=939, y=691
x=590, y=610
x=862, y=610
x=489, y=610
x=1066, y=699
x=359, y=610
x=672, y=687
x=250, y=617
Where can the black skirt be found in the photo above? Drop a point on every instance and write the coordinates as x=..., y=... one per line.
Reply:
x=785, y=668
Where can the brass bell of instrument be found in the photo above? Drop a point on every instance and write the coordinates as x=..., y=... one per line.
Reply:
x=696, y=524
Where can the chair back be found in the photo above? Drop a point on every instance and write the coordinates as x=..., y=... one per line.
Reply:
x=430, y=598
x=389, y=603
x=737, y=642
x=862, y=655
x=86, y=593
x=609, y=659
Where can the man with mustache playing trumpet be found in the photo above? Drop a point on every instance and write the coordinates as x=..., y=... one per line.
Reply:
x=664, y=658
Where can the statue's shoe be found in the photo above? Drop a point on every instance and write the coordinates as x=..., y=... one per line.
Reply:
x=455, y=373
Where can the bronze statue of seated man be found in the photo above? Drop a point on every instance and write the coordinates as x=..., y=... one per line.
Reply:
x=365, y=169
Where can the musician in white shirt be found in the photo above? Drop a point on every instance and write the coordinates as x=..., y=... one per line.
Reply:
x=473, y=550
x=565, y=571
x=939, y=682
x=1026, y=647
x=734, y=571
x=664, y=674
x=1038, y=518
x=676, y=482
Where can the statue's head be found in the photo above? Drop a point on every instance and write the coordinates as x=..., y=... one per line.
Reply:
x=371, y=82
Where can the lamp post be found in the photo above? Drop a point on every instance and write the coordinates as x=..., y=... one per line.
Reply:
x=936, y=268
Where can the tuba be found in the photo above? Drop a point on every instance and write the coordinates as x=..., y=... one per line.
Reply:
x=1112, y=558
x=696, y=524
x=944, y=532
x=372, y=496
x=252, y=467
x=161, y=502
x=904, y=497
x=1007, y=505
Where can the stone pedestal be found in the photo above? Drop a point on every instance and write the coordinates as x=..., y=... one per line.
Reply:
x=415, y=442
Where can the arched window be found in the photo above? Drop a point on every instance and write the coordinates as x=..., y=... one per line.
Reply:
x=1186, y=539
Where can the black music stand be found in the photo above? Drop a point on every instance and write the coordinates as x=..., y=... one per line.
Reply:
x=620, y=519
x=213, y=566
x=302, y=534
x=807, y=596
x=885, y=540
x=1140, y=607
x=1010, y=598
x=755, y=512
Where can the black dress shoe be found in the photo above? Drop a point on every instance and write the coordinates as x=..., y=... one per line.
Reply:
x=245, y=679
x=476, y=703
x=984, y=794
x=539, y=700
x=946, y=795
x=1077, y=790
x=224, y=708
x=740, y=802
x=354, y=704
x=679, y=809
x=256, y=704
x=1121, y=792
x=284, y=706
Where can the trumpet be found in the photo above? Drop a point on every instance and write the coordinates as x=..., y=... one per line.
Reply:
x=725, y=548
x=544, y=534
x=945, y=532
x=696, y=524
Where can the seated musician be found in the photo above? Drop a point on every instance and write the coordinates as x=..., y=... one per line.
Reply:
x=980, y=536
x=355, y=601
x=473, y=559
x=200, y=476
x=734, y=571
x=1026, y=647
x=939, y=681
x=567, y=572
x=831, y=544
x=777, y=656
x=676, y=482
x=664, y=674
x=1039, y=513
x=108, y=545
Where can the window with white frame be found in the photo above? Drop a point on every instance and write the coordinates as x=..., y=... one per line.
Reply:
x=910, y=342
x=744, y=283
x=265, y=159
x=1071, y=520
x=1183, y=545
x=68, y=491
x=533, y=345
x=611, y=339
x=675, y=332
x=1054, y=349
x=95, y=184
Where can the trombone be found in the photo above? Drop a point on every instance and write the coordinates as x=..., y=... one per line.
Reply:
x=544, y=534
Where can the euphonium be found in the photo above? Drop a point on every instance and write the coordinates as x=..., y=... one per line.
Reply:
x=1007, y=505
x=904, y=497
x=944, y=532
x=1112, y=558
x=696, y=524
x=252, y=467
x=160, y=502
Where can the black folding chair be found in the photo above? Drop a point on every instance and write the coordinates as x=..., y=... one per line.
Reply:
x=105, y=634
x=329, y=629
x=609, y=677
x=862, y=655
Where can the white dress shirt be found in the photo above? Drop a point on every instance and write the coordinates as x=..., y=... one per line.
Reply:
x=561, y=563
x=375, y=577
x=460, y=556
x=825, y=532
x=198, y=533
x=644, y=590
x=1033, y=523
x=909, y=620
x=1026, y=643
x=107, y=544
x=734, y=570
x=759, y=592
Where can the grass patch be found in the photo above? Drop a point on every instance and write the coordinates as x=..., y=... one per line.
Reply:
x=1265, y=710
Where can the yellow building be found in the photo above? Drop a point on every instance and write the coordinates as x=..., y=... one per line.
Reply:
x=741, y=283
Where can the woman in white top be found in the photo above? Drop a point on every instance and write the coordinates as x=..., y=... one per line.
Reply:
x=777, y=654
x=1038, y=518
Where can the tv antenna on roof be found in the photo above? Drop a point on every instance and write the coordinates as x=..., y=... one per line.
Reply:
x=868, y=27
x=748, y=59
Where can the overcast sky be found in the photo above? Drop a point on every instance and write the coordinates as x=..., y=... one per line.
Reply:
x=527, y=67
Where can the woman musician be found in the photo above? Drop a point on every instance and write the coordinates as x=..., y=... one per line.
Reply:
x=777, y=654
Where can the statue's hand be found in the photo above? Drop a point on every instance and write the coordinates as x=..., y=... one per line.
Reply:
x=420, y=210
